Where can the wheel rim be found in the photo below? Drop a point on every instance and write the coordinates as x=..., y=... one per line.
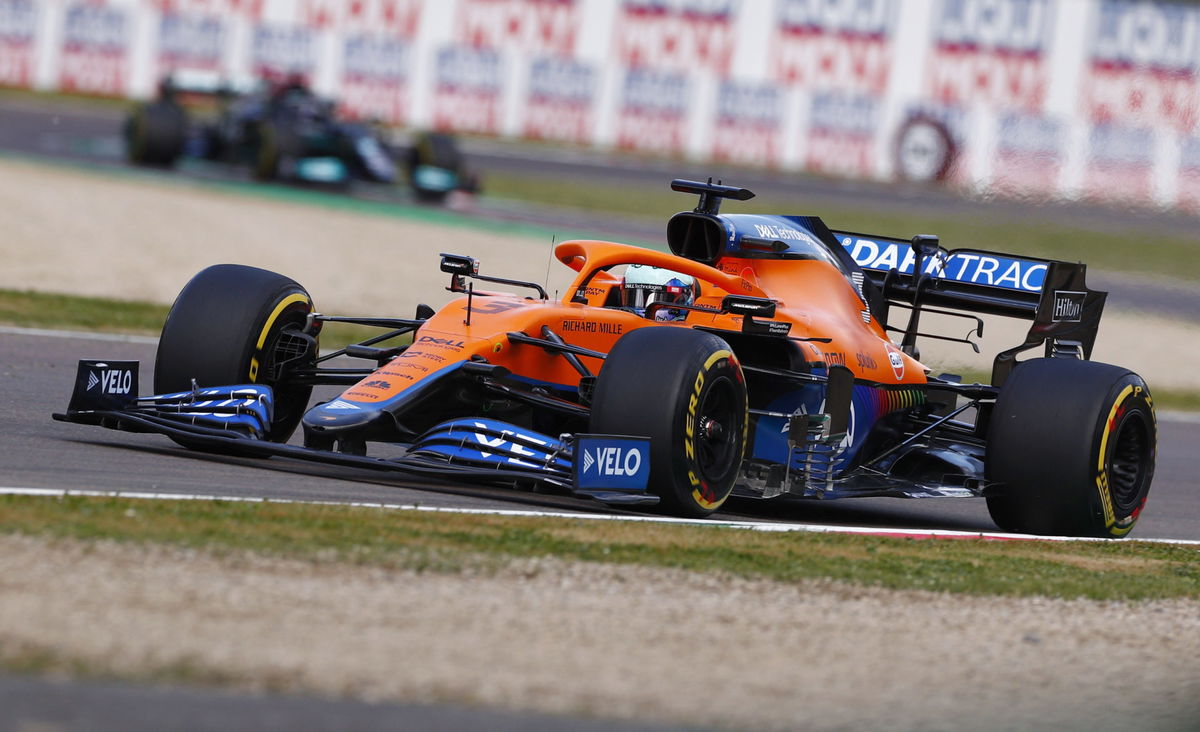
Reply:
x=1128, y=461
x=717, y=431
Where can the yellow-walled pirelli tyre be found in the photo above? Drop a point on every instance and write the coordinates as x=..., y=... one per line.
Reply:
x=684, y=389
x=1071, y=447
x=233, y=324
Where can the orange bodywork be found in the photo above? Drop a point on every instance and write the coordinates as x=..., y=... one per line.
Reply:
x=813, y=296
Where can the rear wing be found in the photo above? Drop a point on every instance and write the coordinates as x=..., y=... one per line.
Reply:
x=918, y=273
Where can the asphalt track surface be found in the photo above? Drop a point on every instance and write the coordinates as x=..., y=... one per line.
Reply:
x=32, y=705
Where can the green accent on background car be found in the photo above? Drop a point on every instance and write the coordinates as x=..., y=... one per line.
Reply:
x=321, y=170
x=432, y=178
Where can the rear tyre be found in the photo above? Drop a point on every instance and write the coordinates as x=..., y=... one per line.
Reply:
x=233, y=324
x=1073, y=443
x=156, y=133
x=684, y=389
x=278, y=148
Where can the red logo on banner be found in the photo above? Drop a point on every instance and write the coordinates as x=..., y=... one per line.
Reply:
x=251, y=9
x=190, y=40
x=374, y=99
x=375, y=70
x=390, y=17
x=1141, y=95
x=558, y=105
x=747, y=128
x=653, y=113
x=650, y=131
x=553, y=120
x=1119, y=164
x=1143, y=66
x=680, y=36
x=466, y=95
x=834, y=45
x=94, y=46
x=16, y=64
x=840, y=153
x=460, y=111
x=536, y=26
x=18, y=24
x=747, y=144
x=813, y=58
x=1188, y=182
x=960, y=76
x=841, y=133
x=990, y=51
x=1019, y=173
x=1028, y=156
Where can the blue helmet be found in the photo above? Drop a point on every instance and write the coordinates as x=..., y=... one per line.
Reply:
x=645, y=285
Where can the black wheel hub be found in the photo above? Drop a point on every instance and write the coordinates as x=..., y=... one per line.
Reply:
x=1128, y=461
x=716, y=444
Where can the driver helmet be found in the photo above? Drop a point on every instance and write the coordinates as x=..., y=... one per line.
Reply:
x=644, y=285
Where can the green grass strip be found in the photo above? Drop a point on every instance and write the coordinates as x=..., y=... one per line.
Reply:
x=441, y=542
x=30, y=309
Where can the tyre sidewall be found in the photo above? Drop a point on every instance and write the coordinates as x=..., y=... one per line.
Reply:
x=1051, y=441
x=654, y=384
x=1128, y=400
x=221, y=332
x=705, y=492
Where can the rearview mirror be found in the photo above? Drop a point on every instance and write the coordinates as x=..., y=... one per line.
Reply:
x=755, y=307
x=459, y=264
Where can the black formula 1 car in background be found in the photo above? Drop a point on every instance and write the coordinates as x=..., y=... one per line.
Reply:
x=283, y=131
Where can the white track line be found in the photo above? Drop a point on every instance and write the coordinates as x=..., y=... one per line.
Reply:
x=746, y=525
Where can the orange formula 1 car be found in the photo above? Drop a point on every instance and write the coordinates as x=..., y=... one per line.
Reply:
x=755, y=360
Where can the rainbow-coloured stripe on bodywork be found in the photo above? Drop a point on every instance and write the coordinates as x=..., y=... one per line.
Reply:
x=869, y=404
x=872, y=402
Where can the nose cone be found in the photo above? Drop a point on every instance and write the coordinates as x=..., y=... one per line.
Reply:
x=339, y=415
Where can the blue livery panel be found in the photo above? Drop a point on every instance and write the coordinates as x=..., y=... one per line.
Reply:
x=492, y=443
x=246, y=409
x=611, y=463
x=968, y=266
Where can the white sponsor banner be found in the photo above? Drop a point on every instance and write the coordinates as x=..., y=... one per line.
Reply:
x=1041, y=98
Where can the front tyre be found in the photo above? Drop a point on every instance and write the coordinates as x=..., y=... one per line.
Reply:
x=1073, y=443
x=684, y=389
x=233, y=324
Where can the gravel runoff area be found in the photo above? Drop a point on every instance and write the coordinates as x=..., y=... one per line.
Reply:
x=139, y=238
x=609, y=641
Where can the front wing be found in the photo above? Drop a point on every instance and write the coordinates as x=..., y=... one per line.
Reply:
x=235, y=419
